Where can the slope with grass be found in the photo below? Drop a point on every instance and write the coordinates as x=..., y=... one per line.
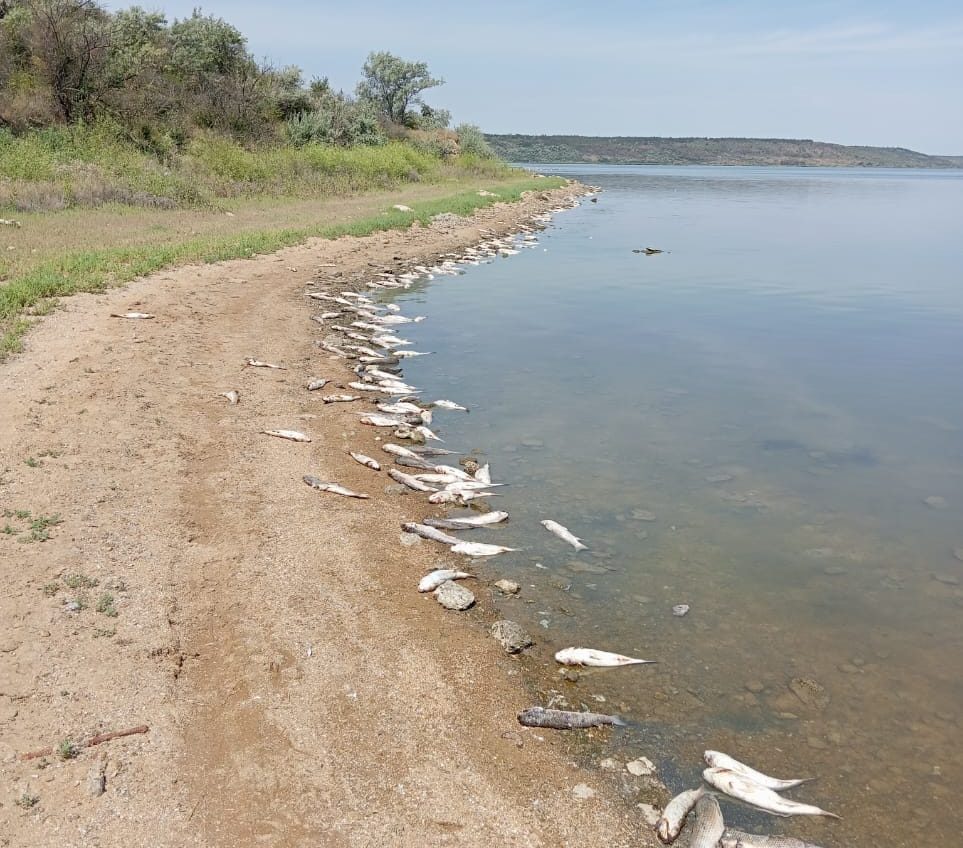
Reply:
x=708, y=151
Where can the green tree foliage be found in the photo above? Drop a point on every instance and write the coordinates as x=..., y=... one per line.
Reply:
x=393, y=85
x=472, y=140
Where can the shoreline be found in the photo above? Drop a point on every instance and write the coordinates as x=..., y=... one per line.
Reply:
x=296, y=686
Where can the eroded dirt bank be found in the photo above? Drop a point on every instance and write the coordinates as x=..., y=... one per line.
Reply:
x=298, y=691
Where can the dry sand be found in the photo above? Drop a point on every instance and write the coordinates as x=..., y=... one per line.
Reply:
x=298, y=691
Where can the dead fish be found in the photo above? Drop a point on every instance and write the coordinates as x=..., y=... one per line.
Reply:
x=367, y=387
x=450, y=404
x=738, y=839
x=563, y=533
x=429, y=451
x=461, y=485
x=592, y=657
x=456, y=496
x=340, y=398
x=373, y=419
x=565, y=720
x=334, y=488
x=399, y=408
x=232, y=396
x=257, y=363
x=290, y=435
x=320, y=296
x=410, y=354
x=413, y=462
x=454, y=472
x=479, y=549
x=709, y=826
x=398, y=450
x=409, y=481
x=743, y=789
x=716, y=759
x=337, y=351
x=483, y=520
x=427, y=532
x=329, y=316
x=483, y=474
x=133, y=315
x=314, y=385
x=366, y=461
x=433, y=477
x=674, y=814
x=424, y=431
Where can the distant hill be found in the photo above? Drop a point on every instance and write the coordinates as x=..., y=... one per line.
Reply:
x=707, y=151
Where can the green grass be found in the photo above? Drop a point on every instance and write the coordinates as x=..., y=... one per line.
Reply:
x=34, y=291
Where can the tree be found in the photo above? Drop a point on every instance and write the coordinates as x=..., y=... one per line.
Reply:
x=392, y=85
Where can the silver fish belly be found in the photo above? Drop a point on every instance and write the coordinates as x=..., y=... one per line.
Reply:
x=565, y=720
x=709, y=826
x=409, y=481
x=563, y=533
x=366, y=461
x=739, y=787
x=334, y=488
x=716, y=759
x=674, y=814
x=427, y=532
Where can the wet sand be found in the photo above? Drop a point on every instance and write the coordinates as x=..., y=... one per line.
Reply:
x=297, y=688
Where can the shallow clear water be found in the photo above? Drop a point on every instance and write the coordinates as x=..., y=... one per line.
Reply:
x=750, y=423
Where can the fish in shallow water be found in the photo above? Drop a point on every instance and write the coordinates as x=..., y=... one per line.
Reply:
x=314, y=385
x=468, y=522
x=424, y=451
x=716, y=759
x=743, y=789
x=478, y=549
x=432, y=581
x=257, y=363
x=563, y=533
x=709, y=826
x=340, y=398
x=290, y=435
x=484, y=474
x=738, y=839
x=334, y=488
x=565, y=720
x=592, y=657
x=366, y=461
x=450, y=404
x=424, y=431
x=409, y=481
x=232, y=396
x=427, y=532
x=409, y=354
x=673, y=816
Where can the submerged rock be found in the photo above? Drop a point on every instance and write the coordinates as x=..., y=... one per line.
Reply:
x=511, y=636
x=454, y=597
x=640, y=767
x=643, y=515
x=935, y=502
x=507, y=587
x=810, y=692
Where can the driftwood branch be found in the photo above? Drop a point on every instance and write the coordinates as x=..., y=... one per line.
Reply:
x=99, y=739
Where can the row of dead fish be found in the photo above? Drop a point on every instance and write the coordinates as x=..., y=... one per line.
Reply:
x=727, y=776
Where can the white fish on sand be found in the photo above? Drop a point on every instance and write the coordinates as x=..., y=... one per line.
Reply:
x=141, y=316
x=400, y=408
x=375, y=420
x=290, y=435
x=563, y=533
x=709, y=826
x=456, y=496
x=450, y=404
x=479, y=549
x=750, y=792
x=409, y=481
x=334, y=488
x=426, y=532
x=398, y=450
x=314, y=385
x=337, y=351
x=716, y=759
x=366, y=461
x=466, y=523
x=424, y=431
x=340, y=398
x=674, y=814
x=367, y=387
x=257, y=363
x=592, y=657
x=232, y=396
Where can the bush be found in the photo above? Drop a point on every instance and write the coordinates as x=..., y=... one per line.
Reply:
x=471, y=140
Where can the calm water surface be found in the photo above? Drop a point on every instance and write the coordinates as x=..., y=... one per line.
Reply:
x=764, y=422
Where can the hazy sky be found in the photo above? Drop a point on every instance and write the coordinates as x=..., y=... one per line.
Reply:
x=849, y=71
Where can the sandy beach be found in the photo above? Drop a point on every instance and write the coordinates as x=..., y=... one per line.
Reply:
x=297, y=689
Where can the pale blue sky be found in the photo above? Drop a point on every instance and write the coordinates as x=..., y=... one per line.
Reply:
x=851, y=71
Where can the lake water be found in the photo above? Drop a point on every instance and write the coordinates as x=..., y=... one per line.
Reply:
x=764, y=422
